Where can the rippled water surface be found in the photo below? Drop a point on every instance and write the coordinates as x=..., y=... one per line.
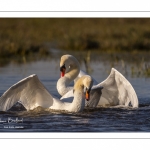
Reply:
x=112, y=119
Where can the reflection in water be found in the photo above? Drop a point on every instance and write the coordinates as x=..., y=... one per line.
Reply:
x=112, y=119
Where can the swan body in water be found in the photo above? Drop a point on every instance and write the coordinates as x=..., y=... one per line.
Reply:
x=32, y=93
x=117, y=90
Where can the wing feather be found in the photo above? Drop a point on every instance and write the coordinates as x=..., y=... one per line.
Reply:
x=29, y=91
x=117, y=90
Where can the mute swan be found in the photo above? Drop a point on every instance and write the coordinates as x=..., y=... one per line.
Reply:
x=32, y=93
x=117, y=90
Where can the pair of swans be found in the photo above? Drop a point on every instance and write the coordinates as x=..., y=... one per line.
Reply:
x=115, y=90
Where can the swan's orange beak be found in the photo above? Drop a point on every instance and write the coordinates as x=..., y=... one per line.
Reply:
x=87, y=95
x=63, y=72
x=62, y=69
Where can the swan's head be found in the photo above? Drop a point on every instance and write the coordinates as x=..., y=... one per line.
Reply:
x=86, y=82
x=67, y=63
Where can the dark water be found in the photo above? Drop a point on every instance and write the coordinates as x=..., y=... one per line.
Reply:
x=112, y=119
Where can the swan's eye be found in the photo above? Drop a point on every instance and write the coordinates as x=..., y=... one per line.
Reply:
x=73, y=90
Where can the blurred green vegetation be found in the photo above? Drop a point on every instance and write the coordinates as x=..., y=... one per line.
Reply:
x=28, y=36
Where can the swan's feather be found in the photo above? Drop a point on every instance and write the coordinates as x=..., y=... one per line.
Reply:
x=117, y=90
x=29, y=91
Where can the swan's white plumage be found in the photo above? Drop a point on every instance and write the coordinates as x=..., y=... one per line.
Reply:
x=117, y=90
x=29, y=91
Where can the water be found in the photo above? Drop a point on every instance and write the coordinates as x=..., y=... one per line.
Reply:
x=111, y=119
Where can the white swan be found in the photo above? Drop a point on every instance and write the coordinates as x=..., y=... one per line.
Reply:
x=117, y=90
x=32, y=93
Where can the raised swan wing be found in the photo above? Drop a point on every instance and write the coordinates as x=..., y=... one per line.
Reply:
x=29, y=91
x=117, y=90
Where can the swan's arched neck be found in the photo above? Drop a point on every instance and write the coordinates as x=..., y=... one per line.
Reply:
x=63, y=82
x=78, y=103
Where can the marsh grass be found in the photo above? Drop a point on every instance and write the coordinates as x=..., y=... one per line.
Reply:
x=24, y=35
x=27, y=39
